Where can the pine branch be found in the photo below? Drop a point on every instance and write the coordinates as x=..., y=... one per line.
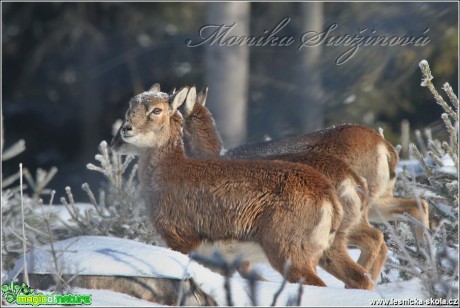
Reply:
x=426, y=82
x=14, y=150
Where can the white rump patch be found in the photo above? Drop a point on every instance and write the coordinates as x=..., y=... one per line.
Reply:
x=321, y=235
x=383, y=171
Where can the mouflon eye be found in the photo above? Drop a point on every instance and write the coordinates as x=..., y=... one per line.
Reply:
x=156, y=111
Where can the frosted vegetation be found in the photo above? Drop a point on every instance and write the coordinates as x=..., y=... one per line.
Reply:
x=116, y=210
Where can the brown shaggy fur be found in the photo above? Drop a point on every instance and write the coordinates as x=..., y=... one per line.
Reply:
x=291, y=210
x=201, y=135
x=367, y=153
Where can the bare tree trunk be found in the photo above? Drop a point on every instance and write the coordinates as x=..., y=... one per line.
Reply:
x=227, y=72
x=3, y=135
x=91, y=105
x=309, y=76
x=405, y=139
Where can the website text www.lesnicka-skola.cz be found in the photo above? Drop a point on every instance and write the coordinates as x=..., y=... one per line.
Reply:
x=414, y=302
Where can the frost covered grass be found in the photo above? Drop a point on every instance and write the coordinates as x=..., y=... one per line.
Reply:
x=119, y=210
x=433, y=260
x=20, y=225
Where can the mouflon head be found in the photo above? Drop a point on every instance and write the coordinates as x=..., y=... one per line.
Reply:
x=147, y=121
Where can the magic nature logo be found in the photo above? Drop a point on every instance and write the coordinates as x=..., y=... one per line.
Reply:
x=22, y=294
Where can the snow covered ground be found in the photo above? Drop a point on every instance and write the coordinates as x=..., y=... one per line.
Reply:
x=97, y=255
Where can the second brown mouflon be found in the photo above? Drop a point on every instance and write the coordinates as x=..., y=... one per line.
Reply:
x=291, y=211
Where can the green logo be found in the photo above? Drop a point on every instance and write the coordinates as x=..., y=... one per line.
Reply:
x=21, y=294
x=11, y=291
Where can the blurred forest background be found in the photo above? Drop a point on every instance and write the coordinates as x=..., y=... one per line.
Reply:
x=69, y=70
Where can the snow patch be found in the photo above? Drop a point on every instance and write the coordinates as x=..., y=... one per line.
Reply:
x=150, y=95
x=448, y=165
x=100, y=255
x=62, y=213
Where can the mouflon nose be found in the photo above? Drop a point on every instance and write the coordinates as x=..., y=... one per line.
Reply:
x=127, y=128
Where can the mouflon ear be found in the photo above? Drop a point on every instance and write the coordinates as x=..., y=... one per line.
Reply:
x=203, y=95
x=179, y=99
x=190, y=101
x=155, y=88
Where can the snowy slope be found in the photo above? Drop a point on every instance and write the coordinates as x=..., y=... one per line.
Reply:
x=96, y=255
